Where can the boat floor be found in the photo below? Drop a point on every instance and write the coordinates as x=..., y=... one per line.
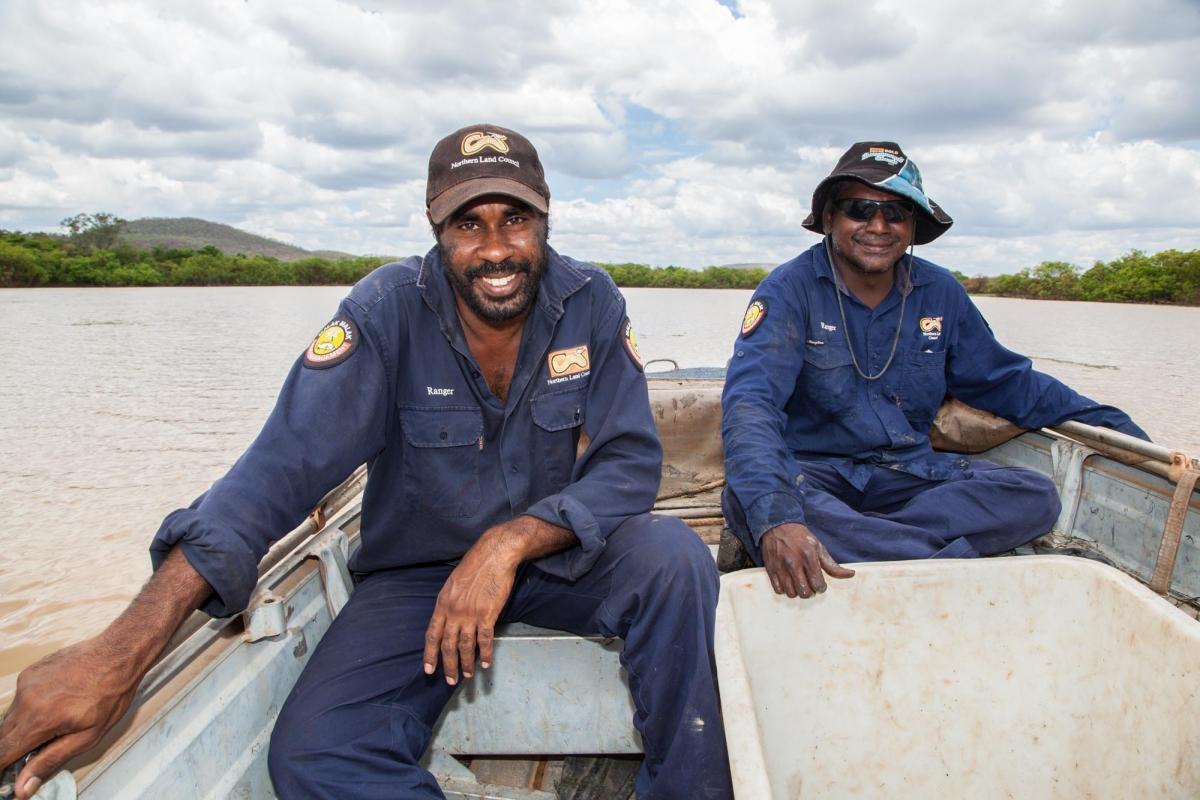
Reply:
x=571, y=778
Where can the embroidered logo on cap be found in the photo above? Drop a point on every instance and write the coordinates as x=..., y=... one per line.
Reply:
x=333, y=345
x=472, y=143
x=755, y=314
x=884, y=154
x=631, y=345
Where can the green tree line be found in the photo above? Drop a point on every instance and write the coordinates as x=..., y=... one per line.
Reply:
x=92, y=255
x=35, y=259
x=1172, y=276
x=641, y=275
x=42, y=260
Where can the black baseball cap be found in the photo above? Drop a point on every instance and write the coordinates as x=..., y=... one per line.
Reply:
x=479, y=160
x=882, y=165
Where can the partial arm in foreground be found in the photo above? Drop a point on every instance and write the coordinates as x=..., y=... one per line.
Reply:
x=67, y=701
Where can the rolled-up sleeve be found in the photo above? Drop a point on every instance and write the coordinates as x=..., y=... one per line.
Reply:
x=617, y=476
x=326, y=422
x=760, y=378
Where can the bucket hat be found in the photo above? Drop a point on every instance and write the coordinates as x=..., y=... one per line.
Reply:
x=882, y=165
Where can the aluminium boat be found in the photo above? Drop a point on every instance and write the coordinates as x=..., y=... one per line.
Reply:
x=200, y=724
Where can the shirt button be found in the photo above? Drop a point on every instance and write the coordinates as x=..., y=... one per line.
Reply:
x=474, y=373
x=442, y=435
x=514, y=467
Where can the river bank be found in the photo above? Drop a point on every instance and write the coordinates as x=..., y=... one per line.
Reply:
x=40, y=260
x=1171, y=277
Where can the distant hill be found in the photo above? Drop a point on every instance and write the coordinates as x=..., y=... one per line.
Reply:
x=189, y=233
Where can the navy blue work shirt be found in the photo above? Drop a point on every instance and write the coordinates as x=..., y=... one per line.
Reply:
x=792, y=394
x=395, y=386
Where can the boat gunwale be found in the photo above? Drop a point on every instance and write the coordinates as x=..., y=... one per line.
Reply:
x=203, y=642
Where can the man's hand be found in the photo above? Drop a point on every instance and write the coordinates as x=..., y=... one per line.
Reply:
x=68, y=700
x=464, y=619
x=796, y=560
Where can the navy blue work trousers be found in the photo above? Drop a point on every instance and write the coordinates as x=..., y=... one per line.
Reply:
x=989, y=509
x=359, y=718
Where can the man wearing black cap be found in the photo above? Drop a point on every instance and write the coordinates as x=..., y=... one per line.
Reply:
x=844, y=356
x=495, y=389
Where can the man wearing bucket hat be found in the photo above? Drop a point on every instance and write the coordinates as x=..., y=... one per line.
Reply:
x=496, y=390
x=845, y=354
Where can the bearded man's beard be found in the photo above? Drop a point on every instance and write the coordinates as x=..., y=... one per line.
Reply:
x=489, y=308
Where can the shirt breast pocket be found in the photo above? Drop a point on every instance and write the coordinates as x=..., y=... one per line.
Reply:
x=441, y=459
x=923, y=383
x=558, y=420
x=827, y=380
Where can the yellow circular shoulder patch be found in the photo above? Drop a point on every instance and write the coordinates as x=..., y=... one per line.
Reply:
x=631, y=344
x=333, y=345
x=755, y=314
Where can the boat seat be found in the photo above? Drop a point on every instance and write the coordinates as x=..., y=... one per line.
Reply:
x=546, y=692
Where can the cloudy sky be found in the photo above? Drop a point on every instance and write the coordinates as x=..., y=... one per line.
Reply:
x=674, y=132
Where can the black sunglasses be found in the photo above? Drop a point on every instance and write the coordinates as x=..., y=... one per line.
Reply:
x=861, y=210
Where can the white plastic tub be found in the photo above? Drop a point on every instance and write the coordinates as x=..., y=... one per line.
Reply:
x=1033, y=677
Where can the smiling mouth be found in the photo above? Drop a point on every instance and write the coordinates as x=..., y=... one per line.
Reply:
x=500, y=283
x=499, y=287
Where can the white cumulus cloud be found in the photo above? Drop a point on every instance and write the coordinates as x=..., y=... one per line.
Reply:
x=675, y=131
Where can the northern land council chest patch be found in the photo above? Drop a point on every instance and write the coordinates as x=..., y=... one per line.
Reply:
x=333, y=345
x=565, y=363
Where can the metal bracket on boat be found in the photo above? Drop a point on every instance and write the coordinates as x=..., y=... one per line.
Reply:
x=1067, y=458
x=265, y=617
x=331, y=549
x=1185, y=474
x=674, y=364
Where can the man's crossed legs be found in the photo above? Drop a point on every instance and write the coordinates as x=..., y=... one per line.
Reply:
x=989, y=509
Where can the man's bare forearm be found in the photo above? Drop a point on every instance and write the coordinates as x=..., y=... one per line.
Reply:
x=139, y=634
x=525, y=538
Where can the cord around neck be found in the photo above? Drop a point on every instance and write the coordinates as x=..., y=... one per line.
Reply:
x=845, y=327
